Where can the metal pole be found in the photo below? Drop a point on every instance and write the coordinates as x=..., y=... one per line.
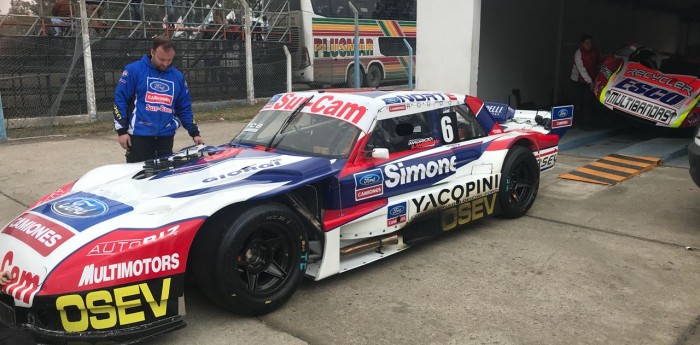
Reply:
x=87, y=62
x=557, y=65
x=410, y=64
x=357, y=45
x=289, y=68
x=248, y=54
x=3, y=130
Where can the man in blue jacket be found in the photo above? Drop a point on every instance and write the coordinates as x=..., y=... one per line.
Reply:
x=150, y=102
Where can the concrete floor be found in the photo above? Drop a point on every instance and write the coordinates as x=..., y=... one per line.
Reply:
x=589, y=264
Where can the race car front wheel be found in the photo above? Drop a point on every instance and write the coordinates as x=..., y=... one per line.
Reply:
x=260, y=261
x=520, y=180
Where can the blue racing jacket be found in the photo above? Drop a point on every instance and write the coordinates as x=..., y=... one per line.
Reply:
x=151, y=102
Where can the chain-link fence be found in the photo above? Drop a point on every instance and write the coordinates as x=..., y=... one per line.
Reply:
x=42, y=74
x=40, y=78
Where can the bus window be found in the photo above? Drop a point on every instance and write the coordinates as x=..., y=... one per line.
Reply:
x=395, y=9
x=322, y=7
x=340, y=9
x=394, y=46
x=365, y=8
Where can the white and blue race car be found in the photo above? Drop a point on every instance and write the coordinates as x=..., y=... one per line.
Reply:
x=318, y=183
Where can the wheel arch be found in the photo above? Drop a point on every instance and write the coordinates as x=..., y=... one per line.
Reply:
x=527, y=143
x=351, y=64
x=381, y=67
x=296, y=200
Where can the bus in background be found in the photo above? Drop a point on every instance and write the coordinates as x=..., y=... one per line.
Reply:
x=324, y=51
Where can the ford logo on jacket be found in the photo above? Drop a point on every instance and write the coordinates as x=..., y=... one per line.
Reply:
x=151, y=102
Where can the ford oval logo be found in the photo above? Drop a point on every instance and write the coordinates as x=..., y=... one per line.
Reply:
x=160, y=86
x=369, y=179
x=563, y=113
x=80, y=207
x=392, y=100
x=397, y=210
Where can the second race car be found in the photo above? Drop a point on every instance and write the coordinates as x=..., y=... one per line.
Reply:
x=638, y=82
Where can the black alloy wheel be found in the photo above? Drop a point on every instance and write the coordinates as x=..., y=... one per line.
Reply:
x=256, y=264
x=520, y=182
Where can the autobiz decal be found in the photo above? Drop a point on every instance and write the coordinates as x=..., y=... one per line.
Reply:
x=125, y=256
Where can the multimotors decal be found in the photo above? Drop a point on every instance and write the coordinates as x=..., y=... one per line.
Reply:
x=125, y=256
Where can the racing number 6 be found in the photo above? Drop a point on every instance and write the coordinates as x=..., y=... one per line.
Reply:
x=447, y=124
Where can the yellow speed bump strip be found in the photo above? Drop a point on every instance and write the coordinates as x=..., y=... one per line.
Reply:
x=612, y=169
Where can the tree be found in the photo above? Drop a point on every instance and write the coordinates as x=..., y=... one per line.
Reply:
x=23, y=7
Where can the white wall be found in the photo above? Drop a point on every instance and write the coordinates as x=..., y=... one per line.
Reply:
x=447, y=52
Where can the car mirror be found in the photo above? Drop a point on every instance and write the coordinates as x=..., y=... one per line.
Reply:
x=380, y=153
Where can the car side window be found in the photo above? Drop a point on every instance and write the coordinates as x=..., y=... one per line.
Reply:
x=402, y=133
x=458, y=123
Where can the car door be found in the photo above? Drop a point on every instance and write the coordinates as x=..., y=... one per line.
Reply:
x=415, y=162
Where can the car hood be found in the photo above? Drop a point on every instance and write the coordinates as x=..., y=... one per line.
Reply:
x=118, y=197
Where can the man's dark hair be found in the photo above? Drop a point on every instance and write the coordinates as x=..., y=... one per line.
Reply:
x=163, y=41
x=585, y=37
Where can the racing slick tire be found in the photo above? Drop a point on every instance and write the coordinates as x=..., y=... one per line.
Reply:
x=520, y=180
x=259, y=261
x=350, y=77
x=374, y=76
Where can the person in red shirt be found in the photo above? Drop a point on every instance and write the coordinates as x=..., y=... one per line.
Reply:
x=583, y=73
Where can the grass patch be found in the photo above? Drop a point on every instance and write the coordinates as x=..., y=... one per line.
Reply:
x=242, y=112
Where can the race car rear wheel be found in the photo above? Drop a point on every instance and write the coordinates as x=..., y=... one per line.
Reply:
x=259, y=263
x=520, y=180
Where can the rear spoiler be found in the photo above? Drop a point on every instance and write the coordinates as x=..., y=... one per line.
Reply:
x=557, y=121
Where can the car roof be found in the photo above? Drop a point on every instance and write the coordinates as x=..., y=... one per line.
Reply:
x=362, y=106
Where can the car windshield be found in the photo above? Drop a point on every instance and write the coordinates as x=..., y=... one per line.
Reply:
x=309, y=134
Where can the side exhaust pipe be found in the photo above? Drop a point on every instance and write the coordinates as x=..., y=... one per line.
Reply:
x=370, y=244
